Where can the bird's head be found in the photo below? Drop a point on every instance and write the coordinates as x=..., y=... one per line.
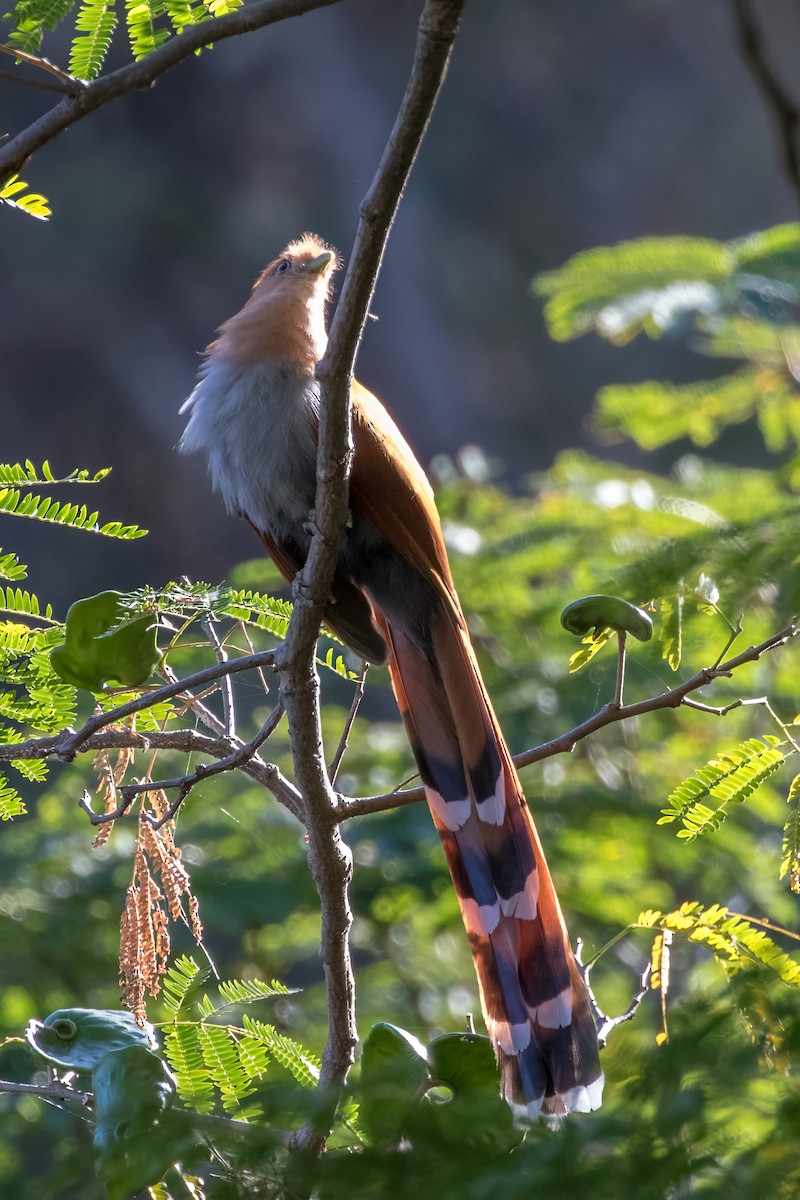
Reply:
x=304, y=269
x=284, y=319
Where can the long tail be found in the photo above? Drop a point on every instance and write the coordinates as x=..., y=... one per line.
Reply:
x=535, y=1002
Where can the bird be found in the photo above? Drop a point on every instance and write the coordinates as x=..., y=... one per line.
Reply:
x=254, y=414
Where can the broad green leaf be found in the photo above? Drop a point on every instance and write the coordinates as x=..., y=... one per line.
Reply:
x=102, y=643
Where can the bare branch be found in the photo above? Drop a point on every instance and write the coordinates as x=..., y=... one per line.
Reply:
x=605, y=1024
x=330, y=859
x=56, y=1091
x=143, y=74
x=203, y=771
x=609, y=714
x=783, y=108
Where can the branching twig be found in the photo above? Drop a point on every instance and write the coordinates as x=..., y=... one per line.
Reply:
x=606, y=1024
x=69, y=747
x=203, y=771
x=143, y=74
x=609, y=714
x=785, y=111
x=68, y=83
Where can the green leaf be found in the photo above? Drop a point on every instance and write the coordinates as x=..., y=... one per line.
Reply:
x=476, y=1120
x=43, y=508
x=617, y=288
x=142, y=20
x=11, y=804
x=138, y=1132
x=735, y=941
x=101, y=644
x=11, y=567
x=593, y=614
x=728, y=779
x=246, y=991
x=14, y=600
x=95, y=23
x=221, y=1057
x=394, y=1075
x=303, y=1065
x=653, y=413
x=184, y=1055
x=32, y=17
x=14, y=191
x=181, y=983
x=790, y=859
x=670, y=633
x=77, y=1038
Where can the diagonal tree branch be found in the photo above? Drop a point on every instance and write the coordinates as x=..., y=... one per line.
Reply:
x=144, y=74
x=609, y=714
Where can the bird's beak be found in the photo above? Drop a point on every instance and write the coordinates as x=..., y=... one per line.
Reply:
x=316, y=266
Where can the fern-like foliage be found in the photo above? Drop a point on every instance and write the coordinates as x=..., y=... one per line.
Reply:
x=181, y=983
x=735, y=941
x=187, y=603
x=144, y=33
x=11, y=804
x=728, y=779
x=737, y=299
x=226, y=1072
x=11, y=568
x=211, y=1060
x=790, y=858
x=15, y=503
x=289, y=1053
x=33, y=699
x=149, y=24
x=20, y=603
x=246, y=991
x=94, y=25
x=15, y=192
x=27, y=473
x=185, y=1057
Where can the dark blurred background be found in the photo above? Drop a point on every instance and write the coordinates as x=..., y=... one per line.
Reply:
x=562, y=126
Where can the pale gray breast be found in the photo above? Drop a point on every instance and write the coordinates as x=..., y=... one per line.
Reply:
x=256, y=426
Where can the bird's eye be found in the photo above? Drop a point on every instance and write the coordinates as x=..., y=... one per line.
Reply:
x=282, y=266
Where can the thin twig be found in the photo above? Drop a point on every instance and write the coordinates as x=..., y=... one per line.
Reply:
x=69, y=83
x=226, y=684
x=606, y=1024
x=358, y=696
x=620, y=683
x=72, y=743
x=206, y=770
x=144, y=73
x=784, y=110
x=283, y=791
x=41, y=84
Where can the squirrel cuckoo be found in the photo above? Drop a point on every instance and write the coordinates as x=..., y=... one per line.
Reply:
x=254, y=413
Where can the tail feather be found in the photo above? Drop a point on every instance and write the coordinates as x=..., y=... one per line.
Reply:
x=535, y=1002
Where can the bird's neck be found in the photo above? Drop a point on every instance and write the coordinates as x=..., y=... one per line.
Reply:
x=288, y=331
